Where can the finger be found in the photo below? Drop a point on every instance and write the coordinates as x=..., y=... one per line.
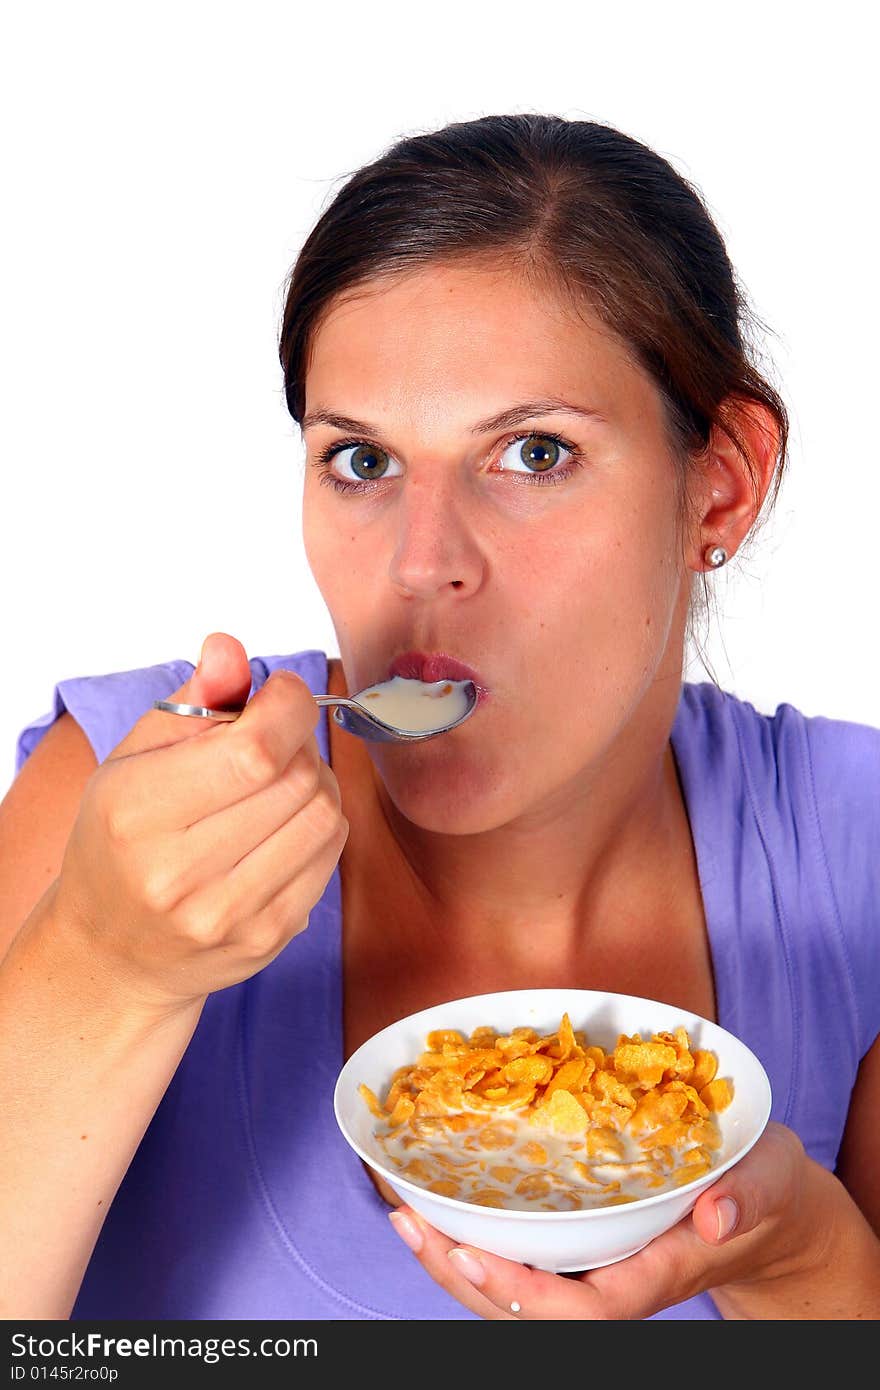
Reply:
x=188, y=859
x=214, y=845
x=287, y=914
x=518, y=1291
x=199, y=776
x=221, y=678
x=431, y=1248
x=246, y=887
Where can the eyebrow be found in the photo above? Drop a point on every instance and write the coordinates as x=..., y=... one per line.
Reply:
x=505, y=419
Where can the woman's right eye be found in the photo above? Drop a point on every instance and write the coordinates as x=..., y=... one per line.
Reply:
x=368, y=463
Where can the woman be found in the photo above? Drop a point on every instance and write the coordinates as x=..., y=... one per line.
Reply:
x=515, y=350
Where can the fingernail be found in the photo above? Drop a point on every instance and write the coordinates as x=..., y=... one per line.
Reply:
x=468, y=1265
x=407, y=1229
x=726, y=1215
x=202, y=653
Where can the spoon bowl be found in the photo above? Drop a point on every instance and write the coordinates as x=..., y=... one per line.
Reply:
x=355, y=718
x=350, y=714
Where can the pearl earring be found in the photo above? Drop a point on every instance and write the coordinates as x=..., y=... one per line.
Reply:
x=715, y=555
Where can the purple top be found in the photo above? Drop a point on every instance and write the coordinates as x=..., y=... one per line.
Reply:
x=243, y=1199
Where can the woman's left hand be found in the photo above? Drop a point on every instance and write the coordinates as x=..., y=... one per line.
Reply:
x=763, y=1240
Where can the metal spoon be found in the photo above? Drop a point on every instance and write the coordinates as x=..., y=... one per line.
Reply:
x=350, y=715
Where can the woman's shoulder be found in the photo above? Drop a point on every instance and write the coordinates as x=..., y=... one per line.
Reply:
x=809, y=784
x=795, y=797
x=108, y=704
x=840, y=756
x=787, y=762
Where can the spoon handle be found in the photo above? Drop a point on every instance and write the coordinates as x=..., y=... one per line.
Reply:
x=197, y=711
x=202, y=712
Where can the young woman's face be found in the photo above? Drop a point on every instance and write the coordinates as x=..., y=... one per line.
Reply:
x=543, y=551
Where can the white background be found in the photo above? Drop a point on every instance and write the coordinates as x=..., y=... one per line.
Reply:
x=163, y=164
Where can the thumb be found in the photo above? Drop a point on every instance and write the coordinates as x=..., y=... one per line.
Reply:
x=753, y=1189
x=222, y=679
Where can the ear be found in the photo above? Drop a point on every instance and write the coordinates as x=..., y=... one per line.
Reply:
x=733, y=481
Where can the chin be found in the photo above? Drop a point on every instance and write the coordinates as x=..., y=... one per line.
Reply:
x=450, y=800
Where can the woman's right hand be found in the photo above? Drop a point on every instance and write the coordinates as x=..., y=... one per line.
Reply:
x=200, y=848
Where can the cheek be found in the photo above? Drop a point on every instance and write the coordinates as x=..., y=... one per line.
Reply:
x=333, y=552
x=315, y=536
x=610, y=575
x=597, y=614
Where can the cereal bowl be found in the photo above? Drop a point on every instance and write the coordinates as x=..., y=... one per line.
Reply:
x=558, y=1241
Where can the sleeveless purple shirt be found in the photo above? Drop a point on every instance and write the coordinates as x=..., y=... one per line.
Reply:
x=243, y=1201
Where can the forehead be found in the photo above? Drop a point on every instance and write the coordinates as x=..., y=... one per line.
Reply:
x=474, y=333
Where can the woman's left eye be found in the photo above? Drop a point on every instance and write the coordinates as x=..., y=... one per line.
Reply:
x=539, y=453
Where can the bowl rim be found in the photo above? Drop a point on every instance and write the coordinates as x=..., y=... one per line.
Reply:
x=639, y=1203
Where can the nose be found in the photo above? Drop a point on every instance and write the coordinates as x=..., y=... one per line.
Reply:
x=436, y=548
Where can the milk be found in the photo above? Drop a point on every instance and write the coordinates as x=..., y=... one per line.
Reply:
x=513, y=1162
x=416, y=706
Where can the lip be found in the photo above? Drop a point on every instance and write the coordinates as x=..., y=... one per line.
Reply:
x=436, y=666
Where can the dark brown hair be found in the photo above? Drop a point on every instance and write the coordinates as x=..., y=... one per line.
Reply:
x=578, y=205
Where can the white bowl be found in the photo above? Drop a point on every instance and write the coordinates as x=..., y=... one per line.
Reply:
x=559, y=1241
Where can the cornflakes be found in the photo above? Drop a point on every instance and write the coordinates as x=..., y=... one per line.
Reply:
x=573, y=1125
